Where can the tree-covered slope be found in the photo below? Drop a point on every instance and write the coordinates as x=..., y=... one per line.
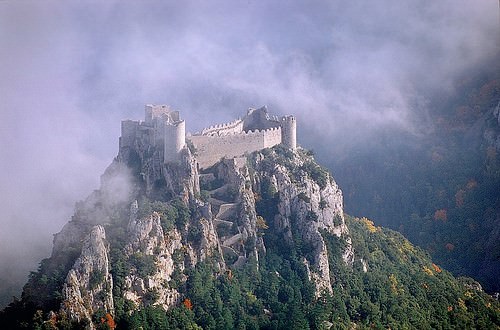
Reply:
x=258, y=242
x=400, y=288
x=440, y=189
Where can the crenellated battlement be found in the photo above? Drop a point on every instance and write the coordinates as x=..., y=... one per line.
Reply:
x=233, y=127
x=256, y=131
x=164, y=129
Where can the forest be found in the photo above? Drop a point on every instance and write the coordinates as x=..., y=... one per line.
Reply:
x=401, y=289
x=439, y=189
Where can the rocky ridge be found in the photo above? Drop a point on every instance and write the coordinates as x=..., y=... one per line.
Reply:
x=89, y=284
x=133, y=240
x=144, y=240
x=305, y=206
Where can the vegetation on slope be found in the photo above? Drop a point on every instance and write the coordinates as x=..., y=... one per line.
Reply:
x=401, y=288
x=392, y=284
x=442, y=190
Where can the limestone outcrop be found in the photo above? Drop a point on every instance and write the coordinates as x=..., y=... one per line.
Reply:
x=131, y=243
x=89, y=285
x=301, y=201
x=148, y=243
x=308, y=202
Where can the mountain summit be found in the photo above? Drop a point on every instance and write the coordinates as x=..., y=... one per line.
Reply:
x=233, y=227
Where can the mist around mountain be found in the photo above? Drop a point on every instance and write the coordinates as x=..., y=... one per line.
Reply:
x=349, y=71
x=258, y=244
x=364, y=80
x=441, y=189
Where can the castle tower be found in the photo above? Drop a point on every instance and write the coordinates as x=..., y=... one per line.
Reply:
x=168, y=130
x=289, y=132
x=175, y=140
x=129, y=133
x=154, y=111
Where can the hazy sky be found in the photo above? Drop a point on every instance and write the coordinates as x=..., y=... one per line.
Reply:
x=70, y=71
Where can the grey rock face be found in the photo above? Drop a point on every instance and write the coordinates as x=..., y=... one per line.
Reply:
x=88, y=287
x=148, y=241
x=226, y=229
x=305, y=208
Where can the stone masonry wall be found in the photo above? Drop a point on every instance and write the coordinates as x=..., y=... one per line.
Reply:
x=129, y=132
x=164, y=130
x=210, y=149
x=272, y=137
x=234, y=127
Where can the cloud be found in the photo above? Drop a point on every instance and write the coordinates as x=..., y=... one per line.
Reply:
x=72, y=70
x=362, y=64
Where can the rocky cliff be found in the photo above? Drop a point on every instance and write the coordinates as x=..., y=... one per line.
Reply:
x=137, y=243
x=307, y=201
x=149, y=222
x=89, y=284
x=130, y=243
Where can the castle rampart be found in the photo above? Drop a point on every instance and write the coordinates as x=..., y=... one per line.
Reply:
x=233, y=127
x=272, y=137
x=163, y=112
x=129, y=132
x=210, y=149
x=163, y=129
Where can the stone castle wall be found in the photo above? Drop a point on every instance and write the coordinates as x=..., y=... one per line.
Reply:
x=272, y=137
x=210, y=149
x=174, y=140
x=129, y=132
x=153, y=111
x=164, y=130
x=234, y=127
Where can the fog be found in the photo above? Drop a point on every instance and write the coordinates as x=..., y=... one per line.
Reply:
x=70, y=71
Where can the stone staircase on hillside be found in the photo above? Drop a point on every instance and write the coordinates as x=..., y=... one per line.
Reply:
x=226, y=213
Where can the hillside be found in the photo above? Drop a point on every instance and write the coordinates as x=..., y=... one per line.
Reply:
x=255, y=242
x=440, y=190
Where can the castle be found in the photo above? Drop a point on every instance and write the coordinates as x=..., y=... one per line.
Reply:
x=164, y=129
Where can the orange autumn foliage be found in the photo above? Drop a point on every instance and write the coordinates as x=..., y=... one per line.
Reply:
x=187, y=303
x=437, y=269
x=441, y=215
x=108, y=319
x=52, y=319
x=471, y=184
